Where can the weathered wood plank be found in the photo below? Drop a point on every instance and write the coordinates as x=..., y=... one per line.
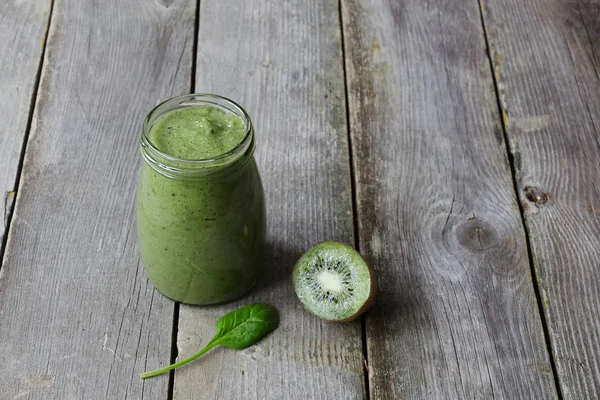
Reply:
x=456, y=315
x=78, y=318
x=283, y=62
x=547, y=62
x=22, y=29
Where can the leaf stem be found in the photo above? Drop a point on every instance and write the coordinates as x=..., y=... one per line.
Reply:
x=162, y=370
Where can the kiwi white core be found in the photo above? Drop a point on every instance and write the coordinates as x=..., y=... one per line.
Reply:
x=330, y=282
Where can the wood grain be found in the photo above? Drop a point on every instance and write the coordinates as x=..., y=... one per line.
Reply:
x=456, y=315
x=22, y=29
x=79, y=319
x=547, y=62
x=283, y=62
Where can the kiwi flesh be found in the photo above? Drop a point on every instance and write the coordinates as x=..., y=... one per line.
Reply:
x=334, y=282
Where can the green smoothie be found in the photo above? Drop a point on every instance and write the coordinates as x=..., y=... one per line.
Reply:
x=201, y=234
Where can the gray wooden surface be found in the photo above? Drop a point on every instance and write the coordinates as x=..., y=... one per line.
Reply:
x=551, y=93
x=438, y=218
x=283, y=62
x=397, y=107
x=79, y=319
x=22, y=31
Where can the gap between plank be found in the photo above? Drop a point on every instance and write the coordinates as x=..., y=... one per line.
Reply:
x=32, y=102
x=174, y=351
x=195, y=48
x=513, y=172
x=176, y=307
x=363, y=320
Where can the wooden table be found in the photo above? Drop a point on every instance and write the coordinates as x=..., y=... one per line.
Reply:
x=456, y=144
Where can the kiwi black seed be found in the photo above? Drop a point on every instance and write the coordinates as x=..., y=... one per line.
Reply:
x=334, y=282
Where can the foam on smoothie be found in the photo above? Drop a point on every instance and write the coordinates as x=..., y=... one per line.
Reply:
x=196, y=133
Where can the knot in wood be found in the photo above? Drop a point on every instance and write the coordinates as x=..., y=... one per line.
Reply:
x=536, y=195
x=477, y=235
x=166, y=3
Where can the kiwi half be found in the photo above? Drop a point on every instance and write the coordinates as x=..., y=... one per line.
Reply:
x=334, y=282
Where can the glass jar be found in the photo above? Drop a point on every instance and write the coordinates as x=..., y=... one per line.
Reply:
x=201, y=223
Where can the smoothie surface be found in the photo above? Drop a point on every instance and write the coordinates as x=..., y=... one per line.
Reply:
x=197, y=133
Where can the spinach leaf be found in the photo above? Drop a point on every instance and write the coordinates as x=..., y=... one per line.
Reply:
x=238, y=329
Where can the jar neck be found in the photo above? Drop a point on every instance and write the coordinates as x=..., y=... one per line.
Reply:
x=179, y=168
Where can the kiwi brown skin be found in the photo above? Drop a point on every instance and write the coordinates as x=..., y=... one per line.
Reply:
x=373, y=286
x=370, y=299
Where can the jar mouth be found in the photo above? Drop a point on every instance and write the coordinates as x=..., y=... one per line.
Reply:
x=169, y=164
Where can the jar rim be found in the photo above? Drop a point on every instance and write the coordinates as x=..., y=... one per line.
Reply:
x=170, y=163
